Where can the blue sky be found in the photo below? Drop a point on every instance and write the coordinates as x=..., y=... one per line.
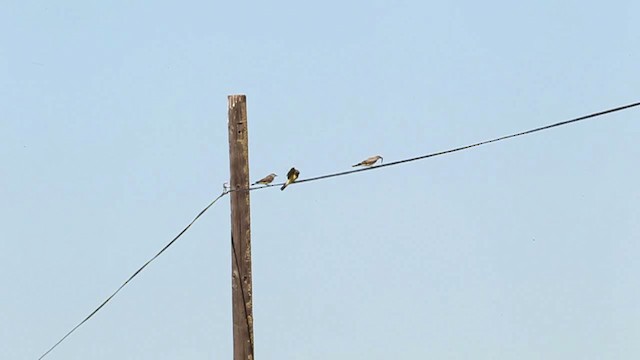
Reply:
x=113, y=136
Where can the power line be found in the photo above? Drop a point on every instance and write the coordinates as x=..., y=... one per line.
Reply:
x=561, y=123
x=134, y=275
x=322, y=177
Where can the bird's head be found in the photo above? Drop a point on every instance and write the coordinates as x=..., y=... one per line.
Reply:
x=274, y=175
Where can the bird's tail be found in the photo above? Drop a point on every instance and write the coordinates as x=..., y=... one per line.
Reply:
x=284, y=186
x=254, y=183
x=358, y=164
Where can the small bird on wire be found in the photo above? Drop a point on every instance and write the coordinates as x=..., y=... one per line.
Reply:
x=292, y=175
x=225, y=187
x=370, y=161
x=266, y=180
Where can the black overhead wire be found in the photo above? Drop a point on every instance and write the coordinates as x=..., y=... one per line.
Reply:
x=561, y=123
x=132, y=276
x=322, y=177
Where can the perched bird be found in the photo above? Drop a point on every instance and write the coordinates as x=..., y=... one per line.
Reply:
x=225, y=187
x=266, y=180
x=292, y=175
x=370, y=161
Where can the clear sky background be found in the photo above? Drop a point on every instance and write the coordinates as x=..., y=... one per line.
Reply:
x=113, y=136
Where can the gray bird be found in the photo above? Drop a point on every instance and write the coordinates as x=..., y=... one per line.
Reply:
x=370, y=161
x=266, y=180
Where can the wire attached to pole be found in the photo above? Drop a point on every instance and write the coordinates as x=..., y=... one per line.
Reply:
x=132, y=276
x=398, y=162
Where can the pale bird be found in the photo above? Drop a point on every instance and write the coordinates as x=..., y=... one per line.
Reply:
x=266, y=180
x=225, y=187
x=292, y=175
x=370, y=161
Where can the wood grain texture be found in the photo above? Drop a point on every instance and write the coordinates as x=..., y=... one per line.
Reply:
x=242, y=304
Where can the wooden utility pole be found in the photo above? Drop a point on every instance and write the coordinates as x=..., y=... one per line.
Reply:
x=240, y=229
